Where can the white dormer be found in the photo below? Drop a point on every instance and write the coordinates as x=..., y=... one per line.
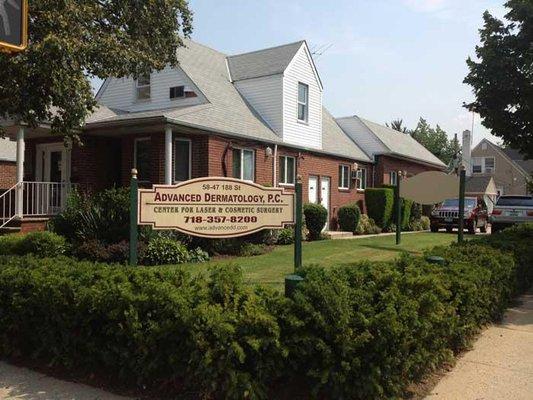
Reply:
x=167, y=88
x=283, y=86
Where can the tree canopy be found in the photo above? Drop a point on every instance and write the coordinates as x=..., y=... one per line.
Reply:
x=502, y=76
x=397, y=125
x=71, y=41
x=435, y=140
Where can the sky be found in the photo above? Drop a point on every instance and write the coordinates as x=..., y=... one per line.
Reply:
x=379, y=59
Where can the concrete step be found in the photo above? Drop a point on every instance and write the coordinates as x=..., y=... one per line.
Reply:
x=338, y=234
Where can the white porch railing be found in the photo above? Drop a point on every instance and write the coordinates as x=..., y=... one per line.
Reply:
x=33, y=199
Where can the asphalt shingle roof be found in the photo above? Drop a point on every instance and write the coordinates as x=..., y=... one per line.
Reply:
x=518, y=158
x=477, y=184
x=271, y=61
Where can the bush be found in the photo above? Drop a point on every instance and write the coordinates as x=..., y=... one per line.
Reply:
x=425, y=223
x=286, y=236
x=379, y=203
x=41, y=244
x=9, y=244
x=198, y=256
x=161, y=251
x=348, y=217
x=367, y=226
x=316, y=217
x=416, y=211
x=98, y=251
x=361, y=331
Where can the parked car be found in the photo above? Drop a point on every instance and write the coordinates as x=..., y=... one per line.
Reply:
x=510, y=210
x=446, y=215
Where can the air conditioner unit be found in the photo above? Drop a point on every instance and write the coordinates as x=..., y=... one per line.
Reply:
x=489, y=170
x=355, y=174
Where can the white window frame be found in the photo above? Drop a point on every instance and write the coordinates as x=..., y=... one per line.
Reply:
x=283, y=179
x=174, y=160
x=344, y=168
x=305, y=104
x=393, y=178
x=137, y=140
x=361, y=185
x=137, y=87
x=242, y=150
x=485, y=164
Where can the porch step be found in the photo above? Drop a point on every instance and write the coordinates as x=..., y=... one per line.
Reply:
x=7, y=230
x=25, y=225
x=339, y=234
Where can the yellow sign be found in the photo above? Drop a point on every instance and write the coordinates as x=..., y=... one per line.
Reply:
x=430, y=187
x=215, y=207
x=13, y=25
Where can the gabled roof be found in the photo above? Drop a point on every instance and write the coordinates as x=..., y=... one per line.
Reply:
x=378, y=139
x=265, y=62
x=226, y=111
x=480, y=185
x=525, y=167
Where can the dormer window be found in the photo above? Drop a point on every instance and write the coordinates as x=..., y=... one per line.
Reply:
x=142, y=87
x=303, y=102
x=177, y=92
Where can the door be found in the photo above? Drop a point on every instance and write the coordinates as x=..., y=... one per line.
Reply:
x=324, y=196
x=49, y=195
x=313, y=189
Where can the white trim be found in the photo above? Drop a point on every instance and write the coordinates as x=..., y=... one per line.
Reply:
x=395, y=174
x=311, y=61
x=181, y=139
x=168, y=155
x=298, y=103
x=45, y=149
x=360, y=179
x=136, y=88
x=343, y=166
x=242, y=150
x=285, y=182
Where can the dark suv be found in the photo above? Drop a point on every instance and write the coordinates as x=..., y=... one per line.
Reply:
x=446, y=215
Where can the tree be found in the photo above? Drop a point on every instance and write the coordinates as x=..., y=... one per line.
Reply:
x=73, y=40
x=502, y=78
x=397, y=125
x=435, y=140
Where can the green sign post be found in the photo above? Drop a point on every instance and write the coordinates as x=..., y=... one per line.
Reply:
x=292, y=281
x=398, y=201
x=462, y=180
x=134, y=186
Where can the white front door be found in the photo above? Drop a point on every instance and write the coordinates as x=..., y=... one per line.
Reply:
x=52, y=163
x=324, y=195
x=313, y=189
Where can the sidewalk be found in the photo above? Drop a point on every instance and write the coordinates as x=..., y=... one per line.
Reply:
x=22, y=383
x=500, y=366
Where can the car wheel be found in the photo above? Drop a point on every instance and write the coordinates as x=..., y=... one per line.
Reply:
x=434, y=228
x=472, y=227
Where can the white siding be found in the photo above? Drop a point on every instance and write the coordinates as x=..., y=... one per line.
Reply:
x=265, y=95
x=361, y=135
x=294, y=132
x=120, y=92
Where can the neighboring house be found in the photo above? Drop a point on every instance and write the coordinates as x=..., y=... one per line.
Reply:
x=508, y=168
x=8, y=166
x=256, y=116
x=392, y=151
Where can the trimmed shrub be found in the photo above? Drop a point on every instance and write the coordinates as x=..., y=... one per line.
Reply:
x=316, y=217
x=348, y=217
x=379, y=203
x=41, y=244
x=286, y=236
x=9, y=244
x=161, y=251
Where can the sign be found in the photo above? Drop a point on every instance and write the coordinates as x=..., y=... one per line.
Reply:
x=13, y=25
x=430, y=187
x=215, y=207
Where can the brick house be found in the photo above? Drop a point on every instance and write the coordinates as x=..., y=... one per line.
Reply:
x=8, y=165
x=390, y=150
x=256, y=116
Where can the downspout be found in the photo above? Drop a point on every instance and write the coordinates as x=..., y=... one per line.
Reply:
x=275, y=167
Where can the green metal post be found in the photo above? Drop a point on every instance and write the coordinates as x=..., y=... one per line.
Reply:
x=298, y=226
x=462, y=179
x=398, y=201
x=133, y=217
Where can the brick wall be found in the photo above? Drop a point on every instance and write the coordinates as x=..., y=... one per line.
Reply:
x=386, y=164
x=8, y=174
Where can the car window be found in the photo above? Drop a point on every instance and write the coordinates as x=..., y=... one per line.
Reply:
x=520, y=201
x=455, y=203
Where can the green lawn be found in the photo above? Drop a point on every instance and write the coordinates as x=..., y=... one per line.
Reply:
x=271, y=268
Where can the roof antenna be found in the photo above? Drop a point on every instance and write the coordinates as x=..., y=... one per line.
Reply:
x=321, y=50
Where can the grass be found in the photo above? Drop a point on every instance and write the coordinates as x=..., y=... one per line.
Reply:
x=271, y=268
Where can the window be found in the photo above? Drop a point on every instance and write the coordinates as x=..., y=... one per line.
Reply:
x=303, y=102
x=489, y=165
x=344, y=177
x=142, y=86
x=361, y=178
x=243, y=164
x=393, y=178
x=484, y=146
x=177, y=92
x=182, y=160
x=476, y=165
x=142, y=159
x=287, y=170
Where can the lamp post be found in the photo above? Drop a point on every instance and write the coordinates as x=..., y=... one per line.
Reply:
x=398, y=201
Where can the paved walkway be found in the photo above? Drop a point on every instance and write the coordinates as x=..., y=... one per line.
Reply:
x=500, y=365
x=21, y=383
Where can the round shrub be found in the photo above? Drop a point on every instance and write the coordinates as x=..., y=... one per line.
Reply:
x=42, y=244
x=348, y=217
x=160, y=251
x=367, y=226
x=316, y=217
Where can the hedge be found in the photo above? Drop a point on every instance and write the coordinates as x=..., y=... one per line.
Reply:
x=316, y=217
x=379, y=203
x=361, y=331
